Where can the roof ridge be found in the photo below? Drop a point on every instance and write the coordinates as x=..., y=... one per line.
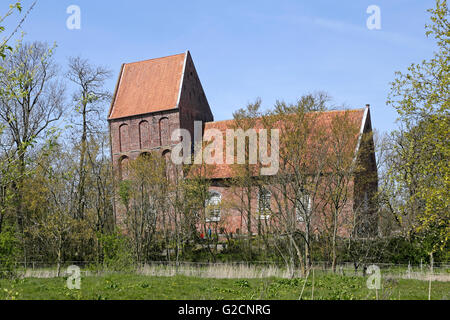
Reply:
x=340, y=110
x=152, y=59
x=227, y=120
x=326, y=111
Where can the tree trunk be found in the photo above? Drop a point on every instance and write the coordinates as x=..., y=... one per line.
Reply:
x=82, y=165
x=333, y=243
x=299, y=255
x=59, y=254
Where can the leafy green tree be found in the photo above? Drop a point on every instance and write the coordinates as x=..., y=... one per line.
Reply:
x=31, y=100
x=9, y=252
x=421, y=97
x=116, y=251
x=144, y=192
x=8, y=166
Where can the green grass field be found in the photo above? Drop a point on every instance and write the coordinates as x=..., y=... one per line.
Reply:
x=138, y=287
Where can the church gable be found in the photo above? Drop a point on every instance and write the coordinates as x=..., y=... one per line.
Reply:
x=193, y=104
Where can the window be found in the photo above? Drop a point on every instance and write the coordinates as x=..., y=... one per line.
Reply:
x=303, y=207
x=164, y=131
x=145, y=156
x=264, y=204
x=213, y=207
x=124, y=139
x=144, y=135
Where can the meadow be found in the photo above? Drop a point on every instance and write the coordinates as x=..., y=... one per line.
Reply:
x=132, y=286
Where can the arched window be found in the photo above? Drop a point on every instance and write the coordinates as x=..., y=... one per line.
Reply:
x=166, y=155
x=213, y=207
x=124, y=138
x=169, y=168
x=144, y=135
x=264, y=199
x=164, y=131
x=145, y=156
x=123, y=167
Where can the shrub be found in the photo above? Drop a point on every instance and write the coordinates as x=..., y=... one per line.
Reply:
x=9, y=252
x=116, y=251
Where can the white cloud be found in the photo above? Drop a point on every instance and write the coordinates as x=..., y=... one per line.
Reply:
x=343, y=27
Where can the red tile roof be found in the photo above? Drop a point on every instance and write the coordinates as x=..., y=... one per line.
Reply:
x=148, y=86
x=322, y=122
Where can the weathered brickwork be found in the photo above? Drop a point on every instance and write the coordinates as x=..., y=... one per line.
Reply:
x=193, y=103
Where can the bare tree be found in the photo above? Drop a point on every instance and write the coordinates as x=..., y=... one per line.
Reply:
x=296, y=188
x=243, y=183
x=89, y=98
x=338, y=191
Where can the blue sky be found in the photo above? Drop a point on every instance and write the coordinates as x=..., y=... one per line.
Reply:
x=248, y=49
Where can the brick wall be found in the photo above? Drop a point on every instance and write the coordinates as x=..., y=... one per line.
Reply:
x=234, y=220
x=134, y=135
x=193, y=102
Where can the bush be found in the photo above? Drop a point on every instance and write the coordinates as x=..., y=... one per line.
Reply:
x=117, y=255
x=9, y=252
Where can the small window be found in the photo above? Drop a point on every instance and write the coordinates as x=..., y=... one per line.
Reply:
x=213, y=207
x=124, y=138
x=264, y=204
x=144, y=135
x=303, y=207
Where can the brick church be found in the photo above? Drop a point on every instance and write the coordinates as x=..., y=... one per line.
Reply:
x=154, y=97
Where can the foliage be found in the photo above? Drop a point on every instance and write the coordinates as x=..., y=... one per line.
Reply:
x=116, y=251
x=8, y=252
x=4, y=43
x=422, y=99
x=144, y=193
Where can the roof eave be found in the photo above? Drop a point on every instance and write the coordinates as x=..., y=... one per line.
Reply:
x=144, y=114
x=115, y=91
x=182, y=79
x=361, y=132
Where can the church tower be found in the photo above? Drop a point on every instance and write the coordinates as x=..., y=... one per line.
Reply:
x=153, y=98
